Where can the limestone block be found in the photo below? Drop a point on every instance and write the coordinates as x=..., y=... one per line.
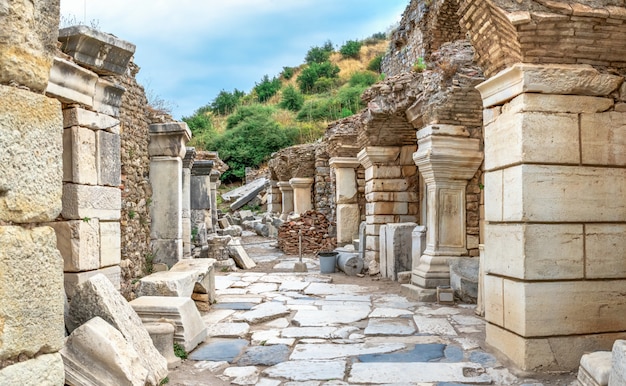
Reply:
x=387, y=172
x=83, y=201
x=560, y=353
x=618, y=364
x=379, y=219
x=376, y=155
x=72, y=279
x=71, y=83
x=560, y=79
x=167, y=251
x=76, y=116
x=190, y=328
x=604, y=246
x=31, y=305
x=97, y=354
x=204, y=272
x=493, y=193
x=98, y=297
x=494, y=299
x=239, y=254
x=167, y=191
x=373, y=242
x=603, y=138
x=110, y=244
x=595, y=368
x=392, y=196
x=167, y=283
x=44, y=370
x=348, y=220
x=168, y=139
x=384, y=208
x=584, y=307
x=104, y=53
x=563, y=193
x=31, y=139
x=550, y=103
x=535, y=251
x=532, y=137
x=395, y=185
x=79, y=156
x=200, y=192
x=79, y=244
x=108, y=159
x=398, y=246
x=107, y=98
x=464, y=278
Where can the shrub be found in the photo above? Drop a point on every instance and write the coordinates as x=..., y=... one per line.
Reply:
x=351, y=49
x=307, y=78
x=226, y=102
x=292, y=99
x=320, y=110
x=323, y=84
x=267, y=88
x=319, y=54
x=350, y=97
x=419, y=66
x=288, y=72
x=201, y=126
x=363, y=78
x=374, y=64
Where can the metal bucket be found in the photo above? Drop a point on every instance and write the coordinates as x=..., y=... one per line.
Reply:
x=328, y=261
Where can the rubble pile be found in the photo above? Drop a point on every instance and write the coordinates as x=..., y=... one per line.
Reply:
x=315, y=229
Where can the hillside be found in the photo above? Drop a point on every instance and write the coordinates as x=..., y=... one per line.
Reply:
x=290, y=108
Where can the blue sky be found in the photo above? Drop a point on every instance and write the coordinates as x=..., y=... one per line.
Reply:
x=189, y=50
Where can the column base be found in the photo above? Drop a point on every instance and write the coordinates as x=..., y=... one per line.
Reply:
x=419, y=294
x=432, y=271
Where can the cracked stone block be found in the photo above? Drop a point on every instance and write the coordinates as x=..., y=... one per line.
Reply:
x=79, y=244
x=79, y=156
x=110, y=244
x=82, y=201
x=108, y=161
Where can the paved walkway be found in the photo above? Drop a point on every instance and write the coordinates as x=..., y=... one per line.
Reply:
x=285, y=328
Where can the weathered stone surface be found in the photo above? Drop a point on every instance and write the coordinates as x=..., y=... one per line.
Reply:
x=86, y=202
x=168, y=139
x=108, y=97
x=603, y=138
x=464, y=273
x=434, y=326
x=301, y=194
x=204, y=272
x=31, y=139
x=72, y=279
x=190, y=329
x=76, y=116
x=264, y=312
x=618, y=364
x=45, y=370
x=71, y=83
x=80, y=156
x=97, y=354
x=166, y=213
x=31, y=305
x=79, y=244
x=29, y=36
x=400, y=373
x=596, y=366
x=332, y=351
x=162, y=334
x=167, y=283
x=390, y=326
x=397, y=254
x=98, y=297
x=308, y=370
x=108, y=159
x=104, y=53
x=551, y=103
x=110, y=244
x=240, y=255
x=166, y=251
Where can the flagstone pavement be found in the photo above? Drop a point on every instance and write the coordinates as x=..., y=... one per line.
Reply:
x=284, y=328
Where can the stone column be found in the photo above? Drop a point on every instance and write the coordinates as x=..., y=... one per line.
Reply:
x=201, y=197
x=166, y=150
x=390, y=193
x=275, y=201
x=447, y=159
x=301, y=194
x=287, y=198
x=346, y=196
x=555, y=213
x=215, y=183
x=190, y=154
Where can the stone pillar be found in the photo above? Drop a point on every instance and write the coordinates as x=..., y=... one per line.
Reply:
x=166, y=150
x=287, y=198
x=390, y=191
x=555, y=233
x=201, y=198
x=275, y=201
x=215, y=183
x=190, y=154
x=447, y=159
x=301, y=194
x=348, y=213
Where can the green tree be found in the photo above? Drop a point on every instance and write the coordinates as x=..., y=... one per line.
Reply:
x=267, y=88
x=292, y=99
x=375, y=64
x=319, y=54
x=351, y=49
x=225, y=102
x=288, y=72
x=307, y=78
x=363, y=78
x=201, y=126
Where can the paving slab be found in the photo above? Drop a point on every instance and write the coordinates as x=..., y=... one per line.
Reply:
x=420, y=353
x=264, y=355
x=264, y=312
x=217, y=350
x=394, y=373
x=333, y=289
x=248, y=375
x=277, y=323
x=270, y=338
x=389, y=313
x=443, y=311
x=334, y=351
x=259, y=288
x=308, y=370
x=228, y=330
x=315, y=318
x=390, y=326
x=293, y=285
x=308, y=332
x=434, y=326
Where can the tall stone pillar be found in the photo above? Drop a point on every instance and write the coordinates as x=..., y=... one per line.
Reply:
x=555, y=213
x=302, y=200
x=190, y=154
x=215, y=183
x=390, y=192
x=287, y=198
x=275, y=201
x=447, y=159
x=201, y=197
x=166, y=150
x=348, y=213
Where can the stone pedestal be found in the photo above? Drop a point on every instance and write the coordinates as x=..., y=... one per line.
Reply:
x=190, y=154
x=287, y=198
x=301, y=194
x=275, y=200
x=346, y=196
x=215, y=183
x=447, y=159
x=166, y=150
x=555, y=173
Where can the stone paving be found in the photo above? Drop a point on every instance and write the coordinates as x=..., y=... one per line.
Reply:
x=285, y=328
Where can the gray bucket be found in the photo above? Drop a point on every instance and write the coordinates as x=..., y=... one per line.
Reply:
x=328, y=261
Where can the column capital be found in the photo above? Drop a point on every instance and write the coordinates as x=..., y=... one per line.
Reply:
x=190, y=155
x=284, y=186
x=372, y=155
x=168, y=139
x=301, y=182
x=202, y=168
x=560, y=79
x=215, y=175
x=344, y=162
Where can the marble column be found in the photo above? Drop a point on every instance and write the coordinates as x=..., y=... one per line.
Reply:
x=287, y=198
x=215, y=183
x=447, y=159
x=302, y=200
x=166, y=150
x=275, y=200
x=190, y=154
x=201, y=198
x=346, y=196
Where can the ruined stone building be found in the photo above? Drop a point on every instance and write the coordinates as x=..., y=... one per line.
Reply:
x=498, y=132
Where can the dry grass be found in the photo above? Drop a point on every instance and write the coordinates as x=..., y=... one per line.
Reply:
x=347, y=67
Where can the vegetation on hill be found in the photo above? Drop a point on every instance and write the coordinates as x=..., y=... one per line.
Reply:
x=292, y=108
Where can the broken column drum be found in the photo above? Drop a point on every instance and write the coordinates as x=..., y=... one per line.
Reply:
x=166, y=150
x=190, y=154
x=348, y=213
x=302, y=198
